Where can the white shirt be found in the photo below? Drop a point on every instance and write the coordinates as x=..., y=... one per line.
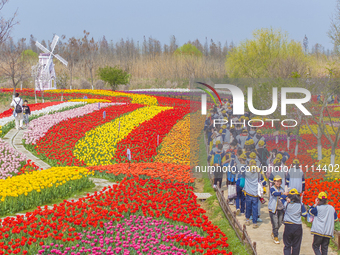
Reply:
x=15, y=101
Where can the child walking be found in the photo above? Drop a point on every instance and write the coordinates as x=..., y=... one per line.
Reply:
x=275, y=206
x=26, y=111
x=292, y=234
x=323, y=223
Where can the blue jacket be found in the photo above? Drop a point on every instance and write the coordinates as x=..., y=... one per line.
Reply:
x=275, y=195
x=323, y=223
x=293, y=213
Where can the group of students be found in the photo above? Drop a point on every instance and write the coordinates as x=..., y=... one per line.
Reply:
x=239, y=152
x=21, y=112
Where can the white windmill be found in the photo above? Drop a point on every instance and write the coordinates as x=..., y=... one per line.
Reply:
x=47, y=78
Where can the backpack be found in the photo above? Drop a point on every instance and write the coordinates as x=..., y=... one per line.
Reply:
x=18, y=108
x=217, y=159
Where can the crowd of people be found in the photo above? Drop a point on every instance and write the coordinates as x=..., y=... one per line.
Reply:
x=239, y=155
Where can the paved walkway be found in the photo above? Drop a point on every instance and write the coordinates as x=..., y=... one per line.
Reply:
x=262, y=235
x=14, y=139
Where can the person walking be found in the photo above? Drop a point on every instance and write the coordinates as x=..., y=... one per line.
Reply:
x=323, y=224
x=276, y=208
x=26, y=111
x=296, y=178
x=252, y=177
x=17, y=111
x=292, y=234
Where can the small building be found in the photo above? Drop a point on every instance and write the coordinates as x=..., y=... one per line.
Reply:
x=47, y=77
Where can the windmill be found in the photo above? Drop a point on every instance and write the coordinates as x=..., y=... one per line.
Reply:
x=48, y=68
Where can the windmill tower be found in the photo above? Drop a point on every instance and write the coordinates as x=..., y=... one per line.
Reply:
x=46, y=78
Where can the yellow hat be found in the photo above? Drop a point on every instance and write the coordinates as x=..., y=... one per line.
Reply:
x=296, y=161
x=252, y=155
x=247, y=142
x=228, y=104
x=209, y=114
x=277, y=177
x=322, y=195
x=293, y=192
x=243, y=156
x=279, y=156
x=252, y=162
x=276, y=161
x=259, y=131
x=244, y=131
x=232, y=127
x=246, y=118
x=220, y=131
x=225, y=118
x=218, y=142
x=224, y=111
x=250, y=141
x=261, y=142
x=224, y=126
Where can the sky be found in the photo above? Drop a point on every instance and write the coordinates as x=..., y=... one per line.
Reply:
x=220, y=20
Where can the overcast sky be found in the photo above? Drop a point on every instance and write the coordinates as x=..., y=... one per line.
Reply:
x=220, y=20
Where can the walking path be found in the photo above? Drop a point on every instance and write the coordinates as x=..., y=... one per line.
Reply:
x=14, y=139
x=262, y=235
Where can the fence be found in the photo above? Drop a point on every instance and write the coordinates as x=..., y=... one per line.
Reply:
x=241, y=231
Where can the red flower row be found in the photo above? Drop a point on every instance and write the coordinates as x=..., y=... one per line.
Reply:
x=59, y=142
x=149, y=197
x=33, y=107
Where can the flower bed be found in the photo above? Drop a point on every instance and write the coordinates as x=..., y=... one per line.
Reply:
x=90, y=101
x=35, y=188
x=98, y=146
x=45, y=110
x=39, y=127
x=11, y=161
x=56, y=147
x=33, y=107
x=138, y=235
x=174, y=172
x=143, y=140
x=149, y=198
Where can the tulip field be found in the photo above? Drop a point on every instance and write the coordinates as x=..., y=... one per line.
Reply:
x=153, y=209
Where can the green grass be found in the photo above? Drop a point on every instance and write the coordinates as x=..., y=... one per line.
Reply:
x=216, y=214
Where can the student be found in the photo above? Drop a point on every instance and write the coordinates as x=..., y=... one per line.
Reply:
x=213, y=151
x=17, y=110
x=262, y=153
x=258, y=137
x=323, y=223
x=252, y=176
x=292, y=234
x=242, y=138
x=296, y=177
x=278, y=169
x=252, y=132
x=26, y=111
x=240, y=199
x=218, y=174
x=275, y=207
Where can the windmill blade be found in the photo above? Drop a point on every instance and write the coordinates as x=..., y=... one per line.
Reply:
x=40, y=46
x=54, y=42
x=61, y=59
x=49, y=62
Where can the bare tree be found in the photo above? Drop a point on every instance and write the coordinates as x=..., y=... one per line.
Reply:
x=12, y=64
x=334, y=31
x=89, y=49
x=6, y=25
x=72, y=55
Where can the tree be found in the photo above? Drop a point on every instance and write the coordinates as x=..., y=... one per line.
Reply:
x=61, y=81
x=334, y=31
x=268, y=54
x=305, y=44
x=12, y=64
x=6, y=25
x=89, y=49
x=113, y=76
x=188, y=50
